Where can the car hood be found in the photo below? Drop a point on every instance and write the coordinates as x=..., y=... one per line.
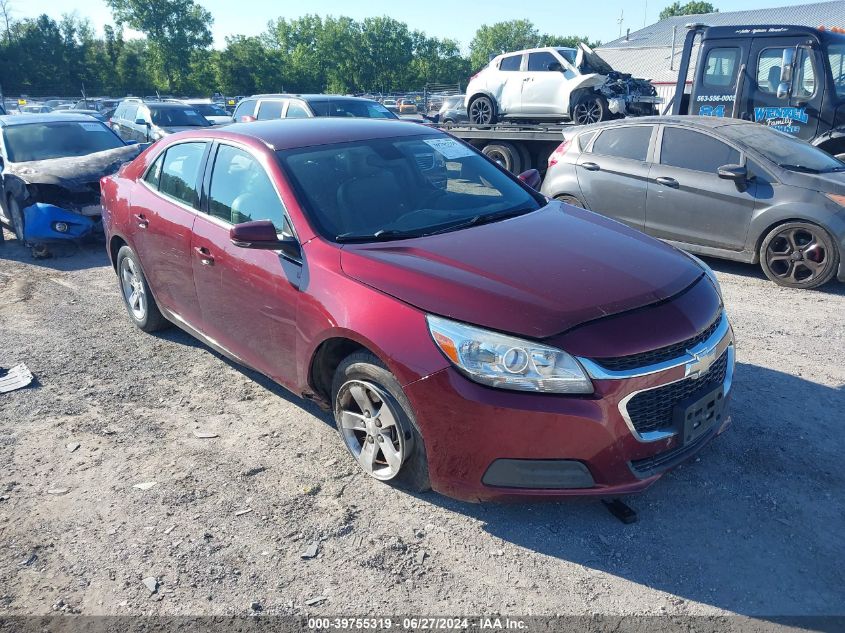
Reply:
x=833, y=182
x=536, y=275
x=74, y=173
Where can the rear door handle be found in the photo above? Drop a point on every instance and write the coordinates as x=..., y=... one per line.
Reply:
x=143, y=222
x=590, y=166
x=667, y=182
x=206, y=258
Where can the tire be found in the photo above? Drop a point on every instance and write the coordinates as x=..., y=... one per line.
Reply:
x=506, y=154
x=361, y=381
x=799, y=255
x=590, y=108
x=142, y=309
x=482, y=111
x=575, y=202
x=16, y=216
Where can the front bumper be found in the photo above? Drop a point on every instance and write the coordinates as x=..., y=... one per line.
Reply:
x=47, y=223
x=476, y=434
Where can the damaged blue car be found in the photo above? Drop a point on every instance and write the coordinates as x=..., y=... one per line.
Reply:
x=50, y=170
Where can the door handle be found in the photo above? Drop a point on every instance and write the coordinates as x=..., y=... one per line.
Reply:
x=528, y=79
x=206, y=259
x=143, y=222
x=667, y=182
x=590, y=166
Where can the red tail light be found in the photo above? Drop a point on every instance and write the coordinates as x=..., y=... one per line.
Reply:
x=556, y=155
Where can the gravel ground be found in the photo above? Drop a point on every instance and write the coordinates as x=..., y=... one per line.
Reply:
x=752, y=526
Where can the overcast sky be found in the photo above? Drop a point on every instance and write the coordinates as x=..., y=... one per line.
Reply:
x=442, y=18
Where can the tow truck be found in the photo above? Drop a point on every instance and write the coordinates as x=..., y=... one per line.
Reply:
x=791, y=78
x=788, y=77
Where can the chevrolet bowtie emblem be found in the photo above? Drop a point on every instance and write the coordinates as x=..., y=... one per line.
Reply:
x=701, y=363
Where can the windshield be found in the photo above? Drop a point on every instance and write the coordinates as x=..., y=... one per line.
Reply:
x=782, y=149
x=178, y=117
x=209, y=109
x=43, y=141
x=836, y=56
x=361, y=109
x=400, y=187
x=453, y=102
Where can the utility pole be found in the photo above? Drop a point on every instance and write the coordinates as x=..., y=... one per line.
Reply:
x=645, y=14
x=620, y=21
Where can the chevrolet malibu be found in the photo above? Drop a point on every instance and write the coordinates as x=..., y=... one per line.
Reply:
x=468, y=334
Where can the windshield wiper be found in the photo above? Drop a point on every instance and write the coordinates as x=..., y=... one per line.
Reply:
x=802, y=168
x=481, y=218
x=382, y=235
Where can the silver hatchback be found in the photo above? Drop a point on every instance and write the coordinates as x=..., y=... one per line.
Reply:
x=716, y=187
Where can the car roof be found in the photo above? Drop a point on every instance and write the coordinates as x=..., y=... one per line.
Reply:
x=282, y=134
x=13, y=120
x=164, y=105
x=308, y=97
x=536, y=50
x=710, y=122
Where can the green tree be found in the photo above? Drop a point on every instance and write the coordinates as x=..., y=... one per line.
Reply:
x=245, y=67
x=499, y=38
x=690, y=8
x=175, y=30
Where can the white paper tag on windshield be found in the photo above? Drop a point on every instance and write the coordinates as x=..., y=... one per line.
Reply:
x=93, y=127
x=449, y=147
x=191, y=112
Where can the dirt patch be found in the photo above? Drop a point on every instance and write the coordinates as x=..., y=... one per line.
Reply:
x=752, y=526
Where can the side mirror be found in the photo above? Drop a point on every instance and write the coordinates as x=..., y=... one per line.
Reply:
x=783, y=89
x=555, y=67
x=141, y=122
x=737, y=173
x=261, y=234
x=531, y=178
x=247, y=119
x=787, y=63
x=132, y=142
x=2, y=165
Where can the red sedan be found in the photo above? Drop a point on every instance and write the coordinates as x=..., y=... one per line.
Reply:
x=468, y=334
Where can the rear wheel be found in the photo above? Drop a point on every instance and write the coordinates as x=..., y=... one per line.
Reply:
x=139, y=301
x=506, y=154
x=482, y=111
x=375, y=422
x=799, y=255
x=590, y=108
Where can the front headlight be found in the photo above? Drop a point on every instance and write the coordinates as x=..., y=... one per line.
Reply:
x=502, y=361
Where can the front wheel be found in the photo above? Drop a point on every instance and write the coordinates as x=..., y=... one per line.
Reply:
x=590, y=108
x=139, y=301
x=375, y=422
x=799, y=255
x=482, y=111
x=16, y=216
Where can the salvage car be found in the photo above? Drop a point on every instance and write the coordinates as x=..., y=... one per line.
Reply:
x=555, y=83
x=283, y=106
x=713, y=186
x=50, y=167
x=457, y=344
x=142, y=121
x=214, y=113
x=452, y=110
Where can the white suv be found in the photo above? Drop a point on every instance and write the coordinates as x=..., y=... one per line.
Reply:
x=555, y=83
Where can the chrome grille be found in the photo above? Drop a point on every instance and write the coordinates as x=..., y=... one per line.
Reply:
x=652, y=410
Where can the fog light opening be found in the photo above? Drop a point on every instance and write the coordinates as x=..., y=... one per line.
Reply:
x=61, y=227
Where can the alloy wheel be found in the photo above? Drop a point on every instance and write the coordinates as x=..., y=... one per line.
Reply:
x=480, y=111
x=132, y=285
x=797, y=255
x=588, y=112
x=370, y=429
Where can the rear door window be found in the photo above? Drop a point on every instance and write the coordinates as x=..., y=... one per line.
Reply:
x=296, y=111
x=131, y=113
x=510, y=63
x=624, y=142
x=180, y=172
x=269, y=110
x=687, y=149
